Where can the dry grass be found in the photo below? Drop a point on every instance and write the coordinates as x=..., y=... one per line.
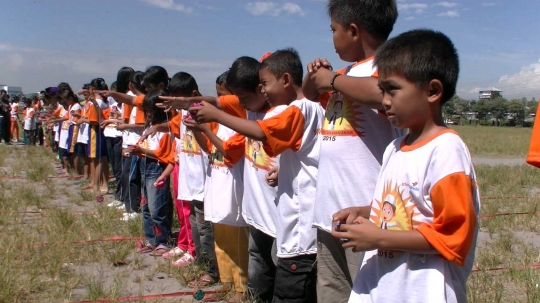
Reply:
x=496, y=141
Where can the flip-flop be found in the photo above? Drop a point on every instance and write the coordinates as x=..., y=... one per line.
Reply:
x=160, y=250
x=148, y=248
x=202, y=282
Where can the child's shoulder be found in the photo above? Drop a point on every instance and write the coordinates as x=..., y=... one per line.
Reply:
x=363, y=68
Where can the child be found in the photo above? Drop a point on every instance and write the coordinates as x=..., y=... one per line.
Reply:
x=15, y=121
x=259, y=201
x=427, y=253
x=30, y=124
x=223, y=201
x=293, y=134
x=82, y=137
x=156, y=153
x=354, y=134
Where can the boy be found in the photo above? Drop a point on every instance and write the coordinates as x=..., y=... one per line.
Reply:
x=259, y=201
x=354, y=135
x=30, y=124
x=427, y=255
x=293, y=134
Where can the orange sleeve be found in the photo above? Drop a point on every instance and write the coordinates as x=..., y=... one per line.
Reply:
x=235, y=148
x=284, y=131
x=138, y=101
x=324, y=98
x=139, y=117
x=163, y=153
x=231, y=105
x=92, y=114
x=127, y=112
x=57, y=112
x=174, y=125
x=454, y=218
x=24, y=112
x=214, y=127
x=533, y=157
x=106, y=113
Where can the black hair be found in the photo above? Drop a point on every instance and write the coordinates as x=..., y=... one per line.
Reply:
x=114, y=86
x=244, y=74
x=99, y=84
x=421, y=56
x=63, y=86
x=154, y=114
x=285, y=61
x=376, y=16
x=136, y=80
x=182, y=84
x=156, y=75
x=3, y=91
x=222, y=79
x=86, y=86
x=122, y=79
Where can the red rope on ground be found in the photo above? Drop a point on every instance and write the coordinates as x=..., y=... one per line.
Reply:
x=113, y=239
x=152, y=297
x=509, y=197
x=533, y=265
x=506, y=214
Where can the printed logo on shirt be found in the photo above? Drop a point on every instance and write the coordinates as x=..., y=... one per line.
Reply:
x=342, y=118
x=257, y=156
x=189, y=144
x=216, y=158
x=393, y=211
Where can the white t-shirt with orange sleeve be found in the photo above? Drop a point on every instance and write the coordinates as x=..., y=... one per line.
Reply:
x=15, y=111
x=29, y=119
x=83, y=128
x=193, y=163
x=62, y=112
x=353, y=140
x=429, y=187
x=64, y=126
x=260, y=200
x=162, y=144
x=293, y=135
x=224, y=188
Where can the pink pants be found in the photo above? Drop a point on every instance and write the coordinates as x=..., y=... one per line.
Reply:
x=185, y=239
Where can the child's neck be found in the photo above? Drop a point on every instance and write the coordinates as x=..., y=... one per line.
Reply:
x=292, y=95
x=426, y=130
x=368, y=48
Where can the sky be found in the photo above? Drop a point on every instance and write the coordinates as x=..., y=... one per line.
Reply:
x=45, y=42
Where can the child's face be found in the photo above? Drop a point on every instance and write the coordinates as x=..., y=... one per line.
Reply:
x=343, y=41
x=272, y=88
x=252, y=101
x=256, y=146
x=222, y=90
x=388, y=212
x=405, y=103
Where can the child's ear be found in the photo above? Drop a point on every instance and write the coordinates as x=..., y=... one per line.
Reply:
x=195, y=93
x=354, y=30
x=287, y=79
x=435, y=91
x=161, y=85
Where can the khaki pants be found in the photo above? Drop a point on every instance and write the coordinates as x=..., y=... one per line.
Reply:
x=232, y=255
x=336, y=269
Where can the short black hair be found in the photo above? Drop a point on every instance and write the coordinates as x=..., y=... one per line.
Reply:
x=376, y=16
x=3, y=91
x=154, y=114
x=421, y=56
x=244, y=74
x=122, y=79
x=222, y=79
x=285, y=61
x=182, y=84
x=156, y=75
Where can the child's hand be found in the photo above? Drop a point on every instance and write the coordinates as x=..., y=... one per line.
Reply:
x=161, y=178
x=347, y=215
x=191, y=124
x=317, y=64
x=122, y=126
x=135, y=150
x=173, y=103
x=322, y=79
x=152, y=130
x=205, y=113
x=362, y=235
x=272, y=177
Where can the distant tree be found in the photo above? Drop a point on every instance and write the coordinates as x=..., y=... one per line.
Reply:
x=496, y=95
x=533, y=99
x=532, y=106
x=498, y=109
x=481, y=108
x=517, y=109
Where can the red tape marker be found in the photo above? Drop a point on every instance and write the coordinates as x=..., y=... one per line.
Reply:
x=533, y=265
x=153, y=297
x=506, y=214
x=113, y=239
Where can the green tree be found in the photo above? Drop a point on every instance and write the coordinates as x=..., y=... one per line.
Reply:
x=481, y=108
x=517, y=109
x=498, y=109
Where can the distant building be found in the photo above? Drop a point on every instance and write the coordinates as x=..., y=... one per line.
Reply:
x=12, y=90
x=489, y=93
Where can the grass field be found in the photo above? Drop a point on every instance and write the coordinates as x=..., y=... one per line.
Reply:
x=40, y=209
x=496, y=141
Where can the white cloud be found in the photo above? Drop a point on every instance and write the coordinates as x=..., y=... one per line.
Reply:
x=273, y=9
x=446, y=4
x=170, y=5
x=35, y=69
x=410, y=18
x=526, y=83
x=488, y=3
x=412, y=6
x=449, y=14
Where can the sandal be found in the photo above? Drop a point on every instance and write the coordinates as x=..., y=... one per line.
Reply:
x=160, y=250
x=175, y=252
x=202, y=282
x=147, y=248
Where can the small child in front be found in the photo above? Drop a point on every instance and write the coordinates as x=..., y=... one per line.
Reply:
x=420, y=235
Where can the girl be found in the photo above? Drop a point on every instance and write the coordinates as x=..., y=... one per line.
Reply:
x=14, y=122
x=30, y=124
x=155, y=153
x=82, y=138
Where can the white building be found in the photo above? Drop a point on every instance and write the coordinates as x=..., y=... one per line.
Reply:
x=11, y=90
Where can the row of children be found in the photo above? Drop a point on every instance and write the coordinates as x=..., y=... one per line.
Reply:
x=303, y=189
